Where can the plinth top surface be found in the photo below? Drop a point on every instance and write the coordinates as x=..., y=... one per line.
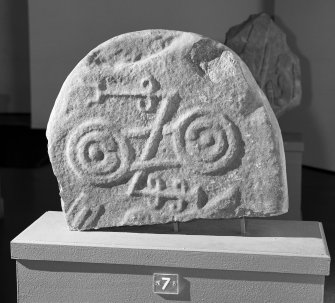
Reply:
x=270, y=245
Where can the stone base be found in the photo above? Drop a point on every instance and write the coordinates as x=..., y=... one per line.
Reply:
x=277, y=261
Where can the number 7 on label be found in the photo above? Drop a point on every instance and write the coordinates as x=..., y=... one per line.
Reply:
x=167, y=280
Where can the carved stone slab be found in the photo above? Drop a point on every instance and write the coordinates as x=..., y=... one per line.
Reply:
x=159, y=126
x=262, y=46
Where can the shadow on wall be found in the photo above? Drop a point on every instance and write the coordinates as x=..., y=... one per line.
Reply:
x=18, y=40
x=268, y=7
x=296, y=119
x=4, y=103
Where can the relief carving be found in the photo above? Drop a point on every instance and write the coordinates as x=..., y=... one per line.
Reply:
x=100, y=155
x=167, y=133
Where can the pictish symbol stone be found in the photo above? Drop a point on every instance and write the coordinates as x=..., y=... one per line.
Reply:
x=161, y=126
x=262, y=45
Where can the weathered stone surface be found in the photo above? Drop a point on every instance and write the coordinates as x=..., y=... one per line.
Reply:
x=159, y=126
x=263, y=47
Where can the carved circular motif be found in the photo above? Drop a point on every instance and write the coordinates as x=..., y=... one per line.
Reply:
x=145, y=105
x=97, y=153
x=206, y=141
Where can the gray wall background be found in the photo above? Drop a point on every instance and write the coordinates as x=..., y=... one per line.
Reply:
x=310, y=27
x=14, y=57
x=62, y=32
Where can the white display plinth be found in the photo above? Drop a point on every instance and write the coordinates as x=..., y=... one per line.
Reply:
x=278, y=261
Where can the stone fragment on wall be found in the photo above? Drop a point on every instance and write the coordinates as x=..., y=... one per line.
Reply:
x=263, y=47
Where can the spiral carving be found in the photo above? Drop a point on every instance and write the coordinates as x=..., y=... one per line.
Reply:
x=97, y=153
x=206, y=141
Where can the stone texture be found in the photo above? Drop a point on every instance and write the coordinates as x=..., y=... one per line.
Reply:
x=159, y=126
x=262, y=46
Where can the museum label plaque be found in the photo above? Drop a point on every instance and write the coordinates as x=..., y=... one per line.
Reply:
x=166, y=284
